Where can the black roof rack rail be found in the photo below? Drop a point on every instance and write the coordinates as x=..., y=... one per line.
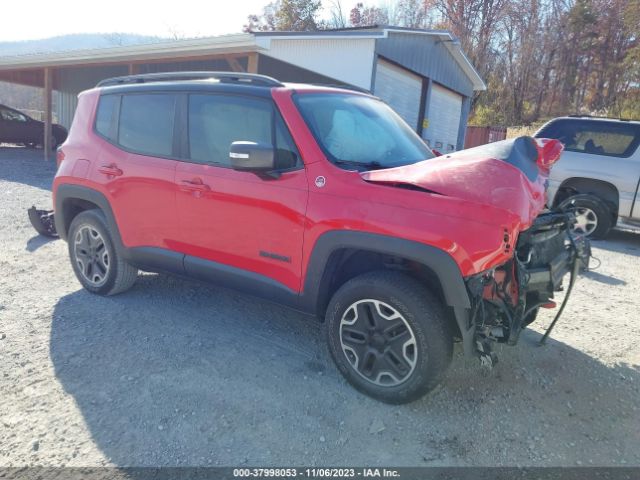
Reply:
x=227, y=77
x=577, y=115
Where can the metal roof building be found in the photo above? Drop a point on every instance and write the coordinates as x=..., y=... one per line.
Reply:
x=422, y=74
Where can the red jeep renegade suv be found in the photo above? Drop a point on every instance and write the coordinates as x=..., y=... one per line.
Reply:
x=321, y=199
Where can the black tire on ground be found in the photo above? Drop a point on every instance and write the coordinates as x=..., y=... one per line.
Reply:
x=422, y=313
x=600, y=210
x=119, y=275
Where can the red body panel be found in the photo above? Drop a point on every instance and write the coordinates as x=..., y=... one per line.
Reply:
x=486, y=181
x=236, y=217
x=142, y=191
x=142, y=197
x=471, y=233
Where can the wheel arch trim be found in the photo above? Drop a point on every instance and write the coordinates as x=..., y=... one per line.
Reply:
x=603, y=189
x=437, y=260
x=67, y=192
x=440, y=262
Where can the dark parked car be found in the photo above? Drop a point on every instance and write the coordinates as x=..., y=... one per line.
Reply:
x=16, y=127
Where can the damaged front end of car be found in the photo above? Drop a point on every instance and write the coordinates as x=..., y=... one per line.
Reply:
x=505, y=299
x=503, y=184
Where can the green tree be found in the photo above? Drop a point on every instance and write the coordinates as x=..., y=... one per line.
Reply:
x=287, y=15
x=364, y=16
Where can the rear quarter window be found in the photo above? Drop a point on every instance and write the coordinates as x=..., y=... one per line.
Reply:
x=105, y=121
x=595, y=137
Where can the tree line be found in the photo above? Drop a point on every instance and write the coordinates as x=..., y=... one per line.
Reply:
x=539, y=58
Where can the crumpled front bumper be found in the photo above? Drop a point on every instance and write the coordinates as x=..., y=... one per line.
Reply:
x=506, y=299
x=549, y=278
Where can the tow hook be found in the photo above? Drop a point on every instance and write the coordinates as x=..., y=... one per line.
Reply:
x=42, y=221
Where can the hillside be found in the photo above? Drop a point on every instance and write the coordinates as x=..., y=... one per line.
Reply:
x=76, y=41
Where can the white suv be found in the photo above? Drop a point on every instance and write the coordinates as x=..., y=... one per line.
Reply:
x=599, y=172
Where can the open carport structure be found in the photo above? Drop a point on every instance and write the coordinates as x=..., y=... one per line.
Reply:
x=422, y=74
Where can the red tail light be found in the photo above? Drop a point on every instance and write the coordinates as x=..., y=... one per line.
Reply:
x=59, y=157
x=549, y=152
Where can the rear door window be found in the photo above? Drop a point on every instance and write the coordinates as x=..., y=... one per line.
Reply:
x=596, y=137
x=146, y=123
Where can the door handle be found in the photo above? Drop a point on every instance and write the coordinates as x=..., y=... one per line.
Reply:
x=110, y=170
x=195, y=185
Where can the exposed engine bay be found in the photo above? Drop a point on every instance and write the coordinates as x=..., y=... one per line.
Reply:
x=507, y=298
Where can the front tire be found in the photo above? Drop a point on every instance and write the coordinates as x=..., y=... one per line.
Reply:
x=388, y=336
x=594, y=218
x=94, y=258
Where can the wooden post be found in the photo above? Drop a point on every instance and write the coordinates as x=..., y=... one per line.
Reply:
x=252, y=65
x=48, y=87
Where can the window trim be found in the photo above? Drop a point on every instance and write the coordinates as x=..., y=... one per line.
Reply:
x=275, y=112
x=631, y=149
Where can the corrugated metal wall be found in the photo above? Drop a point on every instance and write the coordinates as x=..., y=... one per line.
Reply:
x=287, y=72
x=77, y=79
x=426, y=55
x=66, y=107
x=73, y=80
x=482, y=135
x=190, y=66
x=347, y=60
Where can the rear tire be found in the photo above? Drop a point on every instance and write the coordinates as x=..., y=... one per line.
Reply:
x=595, y=219
x=388, y=336
x=94, y=258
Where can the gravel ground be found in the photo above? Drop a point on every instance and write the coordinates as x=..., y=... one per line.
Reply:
x=180, y=373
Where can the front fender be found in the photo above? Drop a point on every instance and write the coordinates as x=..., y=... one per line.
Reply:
x=437, y=260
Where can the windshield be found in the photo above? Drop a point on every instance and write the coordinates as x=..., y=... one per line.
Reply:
x=361, y=132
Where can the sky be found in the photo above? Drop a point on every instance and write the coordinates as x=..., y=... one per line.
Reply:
x=36, y=19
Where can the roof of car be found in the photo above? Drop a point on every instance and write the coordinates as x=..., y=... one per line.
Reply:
x=597, y=119
x=254, y=84
x=190, y=85
x=215, y=86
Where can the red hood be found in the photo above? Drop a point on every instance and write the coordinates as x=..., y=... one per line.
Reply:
x=510, y=175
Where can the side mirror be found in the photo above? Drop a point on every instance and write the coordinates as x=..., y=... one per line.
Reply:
x=252, y=157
